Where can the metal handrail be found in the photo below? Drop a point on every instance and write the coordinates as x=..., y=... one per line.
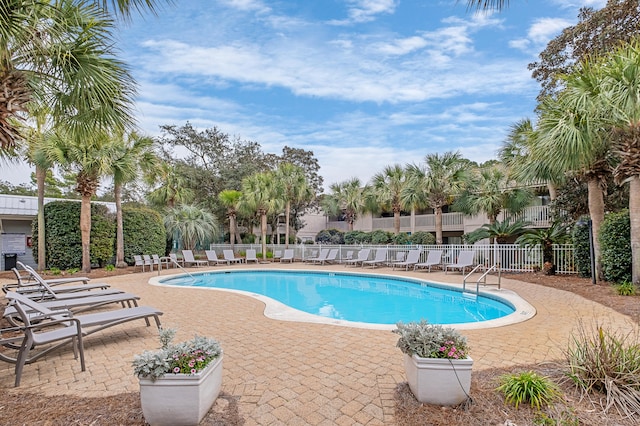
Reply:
x=181, y=267
x=484, y=277
x=464, y=280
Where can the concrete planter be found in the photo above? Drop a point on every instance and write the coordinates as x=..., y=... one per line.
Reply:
x=181, y=399
x=438, y=381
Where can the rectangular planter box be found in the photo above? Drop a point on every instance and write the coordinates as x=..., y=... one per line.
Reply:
x=438, y=381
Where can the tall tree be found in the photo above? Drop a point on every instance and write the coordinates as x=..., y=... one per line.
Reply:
x=596, y=33
x=291, y=183
x=259, y=196
x=439, y=181
x=134, y=155
x=192, y=224
x=90, y=159
x=60, y=55
x=230, y=199
x=171, y=188
x=346, y=197
x=387, y=188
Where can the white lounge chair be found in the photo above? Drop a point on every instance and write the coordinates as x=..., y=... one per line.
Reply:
x=54, y=281
x=380, y=259
x=362, y=256
x=230, y=257
x=320, y=257
x=400, y=256
x=465, y=259
x=189, y=259
x=28, y=284
x=212, y=257
x=331, y=256
x=48, y=292
x=434, y=258
x=287, y=256
x=250, y=256
x=413, y=257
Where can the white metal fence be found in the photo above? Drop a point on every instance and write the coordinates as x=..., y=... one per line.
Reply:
x=510, y=257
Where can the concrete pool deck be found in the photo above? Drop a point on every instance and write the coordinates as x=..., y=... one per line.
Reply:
x=284, y=372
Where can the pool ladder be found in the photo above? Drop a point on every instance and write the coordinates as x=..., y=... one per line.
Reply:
x=483, y=277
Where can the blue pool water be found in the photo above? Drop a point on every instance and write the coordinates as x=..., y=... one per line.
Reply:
x=356, y=297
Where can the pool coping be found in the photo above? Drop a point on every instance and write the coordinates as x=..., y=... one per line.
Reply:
x=276, y=310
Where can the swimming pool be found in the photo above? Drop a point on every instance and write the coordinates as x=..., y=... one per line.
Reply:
x=354, y=298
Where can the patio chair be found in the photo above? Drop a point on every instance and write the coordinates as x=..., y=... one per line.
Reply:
x=331, y=256
x=250, y=256
x=400, y=256
x=54, y=281
x=320, y=257
x=212, y=257
x=413, y=257
x=434, y=258
x=155, y=261
x=76, y=328
x=465, y=259
x=230, y=257
x=48, y=292
x=147, y=261
x=189, y=259
x=277, y=254
x=167, y=261
x=138, y=261
x=348, y=256
x=380, y=259
x=25, y=285
x=287, y=256
x=362, y=256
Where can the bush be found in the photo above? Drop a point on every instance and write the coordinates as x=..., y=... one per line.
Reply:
x=381, y=237
x=607, y=362
x=143, y=232
x=528, y=387
x=330, y=236
x=401, y=238
x=356, y=237
x=581, y=247
x=615, y=247
x=422, y=237
x=626, y=288
x=63, y=238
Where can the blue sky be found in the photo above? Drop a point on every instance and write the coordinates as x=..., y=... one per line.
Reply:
x=361, y=83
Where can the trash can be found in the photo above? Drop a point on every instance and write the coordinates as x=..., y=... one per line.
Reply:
x=10, y=260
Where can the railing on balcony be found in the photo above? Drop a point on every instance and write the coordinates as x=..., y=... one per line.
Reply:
x=537, y=216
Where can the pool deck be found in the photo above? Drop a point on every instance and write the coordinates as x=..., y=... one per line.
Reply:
x=293, y=373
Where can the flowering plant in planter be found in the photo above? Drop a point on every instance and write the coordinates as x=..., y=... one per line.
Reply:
x=189, y=357
x=431, y=341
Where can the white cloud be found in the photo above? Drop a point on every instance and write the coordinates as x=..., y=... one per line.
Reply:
x=539, y=34
x=402, y=46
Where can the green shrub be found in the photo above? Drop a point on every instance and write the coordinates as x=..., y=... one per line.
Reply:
x=581, y=247
x=401, y=238
x=330, y=236
x=615, y=247
x=381, y=237
x=143, y=232
x=423, y=238
x=63, y=238
x=528, y=387
x=356, y=237
x=626, y=288
x=110, y=268
x=607, y=362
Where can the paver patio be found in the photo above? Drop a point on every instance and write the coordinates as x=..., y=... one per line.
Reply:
x=292, y=373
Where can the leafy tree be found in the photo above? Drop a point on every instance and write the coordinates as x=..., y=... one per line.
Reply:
x=596, y=33
x=387, y=188
x=21, y=189
x=171, y=187
x=192, y=224
x=347, y=198
x=330, y=236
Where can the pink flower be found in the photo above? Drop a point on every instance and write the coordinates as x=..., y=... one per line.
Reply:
x=193, y=371
x=176, y=370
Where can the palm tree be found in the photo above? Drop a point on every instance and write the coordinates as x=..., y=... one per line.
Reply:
x=500, y=231
x=436, y=184
x=557, y=233
x=487, y=5
x=259, y=196
x=172, y=189
x=135, y=155
x=90, y=160
x=489, y=190
x=387, y=188
x=192, y=224
x=348, y=197
x=573, y=135
x=60, y=56
x=229, y=199
x=514, y=153
x=294, y=187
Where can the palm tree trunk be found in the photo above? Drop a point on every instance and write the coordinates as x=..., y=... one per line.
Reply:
x=438, y=219
x=232, y=231
x=117, y=193
x=85, y=232
x=396, y=221
x=263, y=232
x=287, y=212
x=553, y=191
x=634, y=216
x=596, y=212
x=40, y=180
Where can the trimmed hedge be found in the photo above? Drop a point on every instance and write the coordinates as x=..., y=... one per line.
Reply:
x=422, y=237
x=63, y=237
x=143, y=232
x=615, y=247
x=581, y=247
x=330, y=236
